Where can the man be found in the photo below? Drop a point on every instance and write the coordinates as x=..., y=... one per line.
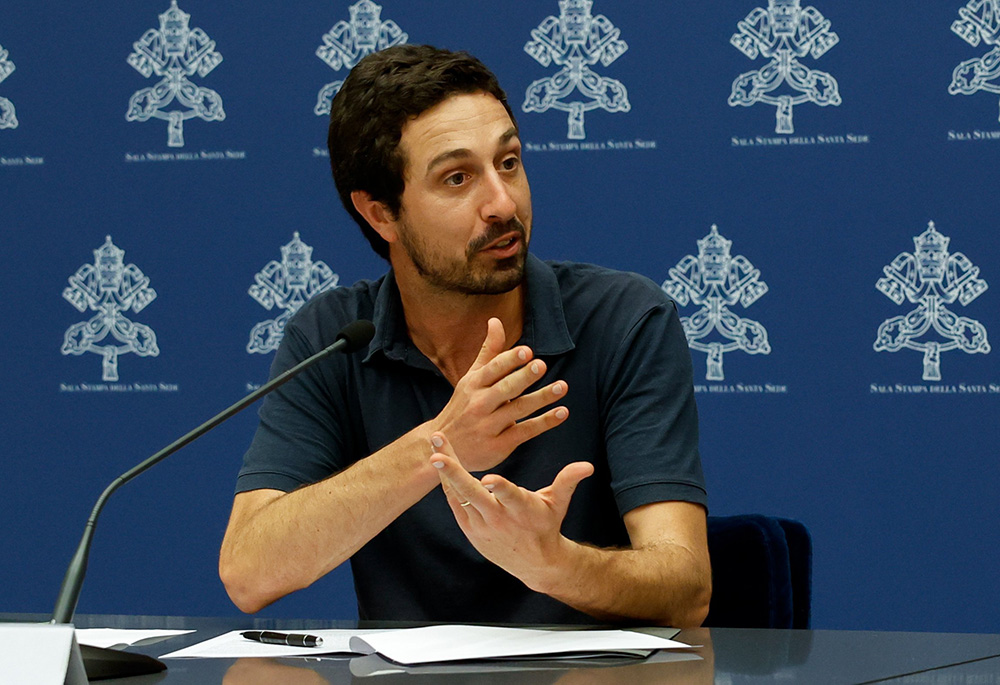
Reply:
x=576, y=412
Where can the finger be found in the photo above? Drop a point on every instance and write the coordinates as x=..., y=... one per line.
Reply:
x=494, y=364
x=463, y=511
x=505, y=492
x=493, y=344
x=564, y=485
x=526, y=405
x=522, y=431
x=507, y=369
x=511, y=381
x=456, y=481
x=460, y=507
x=441, y=445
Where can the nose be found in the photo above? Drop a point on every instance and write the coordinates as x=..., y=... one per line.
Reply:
x=498, y=202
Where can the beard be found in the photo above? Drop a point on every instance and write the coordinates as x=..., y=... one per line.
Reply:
x=477, y=274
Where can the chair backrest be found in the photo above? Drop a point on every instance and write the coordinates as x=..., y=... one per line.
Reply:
x=800, y=556
x=761, y=572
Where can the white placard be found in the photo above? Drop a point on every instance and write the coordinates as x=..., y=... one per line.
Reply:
x=40, y=653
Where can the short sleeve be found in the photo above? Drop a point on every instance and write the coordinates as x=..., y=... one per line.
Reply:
x=651, y=419
x=300, y=438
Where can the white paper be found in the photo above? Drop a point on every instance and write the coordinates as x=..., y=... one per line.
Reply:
x=457, y=642
x=115, y=638
x=234, y=646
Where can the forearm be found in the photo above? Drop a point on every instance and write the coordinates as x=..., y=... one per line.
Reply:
x=663, y=583
x=298, y=537
x=663, y=578
x=277, y=543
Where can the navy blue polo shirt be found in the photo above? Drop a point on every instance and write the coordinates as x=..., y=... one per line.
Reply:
x=614, y=337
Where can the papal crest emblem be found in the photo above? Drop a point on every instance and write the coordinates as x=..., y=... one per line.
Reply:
x=979, y=21
x=175, y=52
x=8, y=117
x=716, y=281
x=347, y=43
x=109, y=287
x=286, y=285
x=783, y=34
x=931, y=278
x=575, y=41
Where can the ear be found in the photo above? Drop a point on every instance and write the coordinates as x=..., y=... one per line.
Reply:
x=376, y=214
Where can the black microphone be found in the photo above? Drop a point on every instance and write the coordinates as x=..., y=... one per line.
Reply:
x=353, y=337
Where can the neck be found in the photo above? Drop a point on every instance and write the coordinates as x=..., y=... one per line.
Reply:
x=449, y=327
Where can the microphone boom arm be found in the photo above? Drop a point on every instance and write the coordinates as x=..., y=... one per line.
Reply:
x=351, y=338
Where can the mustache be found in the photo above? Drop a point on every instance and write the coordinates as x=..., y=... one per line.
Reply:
x=495, y=231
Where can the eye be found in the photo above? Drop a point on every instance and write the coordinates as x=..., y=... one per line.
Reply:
x=455, y=179
x=510, y=163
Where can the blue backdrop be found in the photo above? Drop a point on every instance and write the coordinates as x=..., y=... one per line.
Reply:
x=154, y=168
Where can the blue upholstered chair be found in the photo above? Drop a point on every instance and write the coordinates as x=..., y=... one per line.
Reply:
x=761, y=572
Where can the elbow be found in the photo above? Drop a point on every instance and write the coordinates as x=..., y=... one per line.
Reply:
x=695, y=610
x=697, y=613
x=243, y=588
x=247, y=602
x=697, y=593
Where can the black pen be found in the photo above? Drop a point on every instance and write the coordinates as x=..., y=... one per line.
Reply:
x=290, y=639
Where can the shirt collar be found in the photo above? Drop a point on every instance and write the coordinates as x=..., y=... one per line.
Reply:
x=545, y=330
x=390, y=326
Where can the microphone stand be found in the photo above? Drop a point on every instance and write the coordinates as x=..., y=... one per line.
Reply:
x=103, y=663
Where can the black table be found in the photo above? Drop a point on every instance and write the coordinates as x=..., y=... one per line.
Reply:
x=727, y=655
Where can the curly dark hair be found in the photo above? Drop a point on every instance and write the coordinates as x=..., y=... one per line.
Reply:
x=384, y=91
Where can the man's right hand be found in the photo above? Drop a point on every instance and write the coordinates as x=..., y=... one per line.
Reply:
x=487, y=416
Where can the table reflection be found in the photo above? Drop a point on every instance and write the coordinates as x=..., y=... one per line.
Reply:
x=264, y=671
x=686, y=667
x=683, y=667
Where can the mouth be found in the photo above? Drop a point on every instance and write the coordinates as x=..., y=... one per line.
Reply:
x=506, y=245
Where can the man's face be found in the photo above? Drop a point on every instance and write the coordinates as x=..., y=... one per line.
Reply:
x=465, y=217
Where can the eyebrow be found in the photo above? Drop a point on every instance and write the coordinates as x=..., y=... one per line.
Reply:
x=462, y=152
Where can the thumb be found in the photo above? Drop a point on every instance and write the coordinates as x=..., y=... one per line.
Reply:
x=492, y=345
x=563, y=487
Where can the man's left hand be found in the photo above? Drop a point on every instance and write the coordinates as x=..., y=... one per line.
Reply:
x=516, y=529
